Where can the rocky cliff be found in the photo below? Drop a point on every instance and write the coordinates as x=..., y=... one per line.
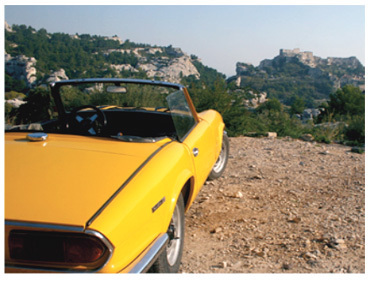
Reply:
x=342, y=71
x=156, y=63
x=293, y=72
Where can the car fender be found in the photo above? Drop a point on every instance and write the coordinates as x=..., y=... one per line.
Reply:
x=215, y=121
x=145, y=205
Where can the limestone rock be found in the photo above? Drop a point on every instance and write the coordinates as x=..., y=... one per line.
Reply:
x=21, y=68
x=57, y=76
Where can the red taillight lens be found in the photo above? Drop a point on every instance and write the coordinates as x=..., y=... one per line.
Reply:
x=83, y=250
x=55, y=248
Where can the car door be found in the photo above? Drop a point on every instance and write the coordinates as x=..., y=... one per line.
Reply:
x=200, y=143
x=195, y=133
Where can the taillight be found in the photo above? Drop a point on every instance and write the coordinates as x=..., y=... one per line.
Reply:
x=71, y=249
x=84, y=250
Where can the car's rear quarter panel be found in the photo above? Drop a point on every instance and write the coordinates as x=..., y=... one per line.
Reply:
x=163, y=177
x=128, y=221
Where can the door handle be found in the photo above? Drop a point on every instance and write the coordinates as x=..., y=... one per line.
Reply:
x=195, y=152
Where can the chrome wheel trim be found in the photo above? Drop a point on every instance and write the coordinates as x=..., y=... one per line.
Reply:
x=220, y=163
x=174, y=245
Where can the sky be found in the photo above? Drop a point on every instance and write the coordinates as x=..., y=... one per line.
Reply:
x=220, y=35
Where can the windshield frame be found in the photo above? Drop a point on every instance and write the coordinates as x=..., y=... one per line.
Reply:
x=63, y=113
x=55, y=86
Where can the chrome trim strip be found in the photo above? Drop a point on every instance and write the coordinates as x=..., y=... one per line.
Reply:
x=44, y=226
x=125, y=184
x=106, y=242
x=152, y=254
x=157, y=205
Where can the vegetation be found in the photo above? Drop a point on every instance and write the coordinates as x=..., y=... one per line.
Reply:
x=79, y=57
x=287, y=78
x=347, y=106
x=37, y=108
x=343, y=119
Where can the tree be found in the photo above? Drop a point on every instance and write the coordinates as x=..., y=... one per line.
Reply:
x=297, y=106
x=348, y=105
x=37, y=108
x=216, y=97
x=347, y=101
x=271, y=106
x=12, y=84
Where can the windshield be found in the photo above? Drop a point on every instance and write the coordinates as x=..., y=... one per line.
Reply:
x=140, y=112
x=108, y=94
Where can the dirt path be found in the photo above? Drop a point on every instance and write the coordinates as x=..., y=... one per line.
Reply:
x=282, y=206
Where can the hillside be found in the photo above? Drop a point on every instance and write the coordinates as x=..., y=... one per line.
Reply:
x=291, y=94
x=295, y=73
x=34, y=56
x=282, y=206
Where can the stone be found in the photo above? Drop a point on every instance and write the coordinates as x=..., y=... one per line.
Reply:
x=203, y=199
x=307, y=137
x=294, y=219
x=258, y=177
x=238, y=195
x=338, y=244
x=259, y=253
x=216, y=230
x=309, y=256
x=16, y=103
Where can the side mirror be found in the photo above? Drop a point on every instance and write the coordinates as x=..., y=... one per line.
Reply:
x=116, y=89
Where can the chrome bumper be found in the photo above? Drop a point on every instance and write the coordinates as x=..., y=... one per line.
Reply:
x=146, y=259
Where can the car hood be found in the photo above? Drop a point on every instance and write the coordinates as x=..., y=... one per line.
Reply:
x=66, y=179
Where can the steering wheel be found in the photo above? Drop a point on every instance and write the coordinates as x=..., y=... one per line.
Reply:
x=92, y=124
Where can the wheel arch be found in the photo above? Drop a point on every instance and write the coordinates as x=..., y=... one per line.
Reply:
x=187, y=193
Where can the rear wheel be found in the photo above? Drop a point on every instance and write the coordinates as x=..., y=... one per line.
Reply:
x=221, y=162
x=169, y=260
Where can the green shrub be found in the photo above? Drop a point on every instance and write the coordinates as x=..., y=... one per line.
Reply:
x=355, y=132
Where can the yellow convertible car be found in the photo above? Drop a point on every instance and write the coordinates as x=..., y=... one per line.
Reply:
x=103, y=184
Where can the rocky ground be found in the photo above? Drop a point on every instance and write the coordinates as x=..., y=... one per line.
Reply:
x=282, y=206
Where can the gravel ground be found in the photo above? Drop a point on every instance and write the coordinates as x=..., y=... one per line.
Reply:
x=282, y=206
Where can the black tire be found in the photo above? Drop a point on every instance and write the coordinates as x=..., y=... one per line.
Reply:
x=169, y=260
x=221, y=162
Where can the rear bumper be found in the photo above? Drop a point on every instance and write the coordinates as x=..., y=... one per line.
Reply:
x=143, y=262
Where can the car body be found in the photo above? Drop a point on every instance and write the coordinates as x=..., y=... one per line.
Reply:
x=103, y=187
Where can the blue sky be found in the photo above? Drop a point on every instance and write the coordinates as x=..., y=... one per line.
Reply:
x=220, y=35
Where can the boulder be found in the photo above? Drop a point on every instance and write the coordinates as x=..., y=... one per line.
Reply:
x=307, y=137
x=57, y=76
x=271, y=134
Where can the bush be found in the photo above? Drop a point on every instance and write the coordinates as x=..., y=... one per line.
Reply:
x=37, y=108
x=347, y=101
x=355, y=132
x=13, y=95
